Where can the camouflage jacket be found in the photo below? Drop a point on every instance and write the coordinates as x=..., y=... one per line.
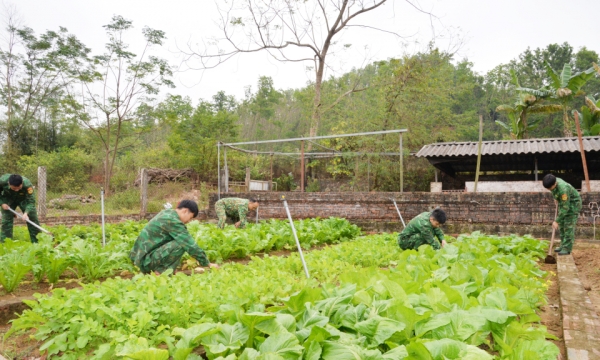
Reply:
x=236, y=208
x=569, y=200
x=24, y=197
x=163, y=228
x=420, y=225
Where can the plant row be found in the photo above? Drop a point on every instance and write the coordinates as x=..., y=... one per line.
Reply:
x=475, y=299
x=78, y=251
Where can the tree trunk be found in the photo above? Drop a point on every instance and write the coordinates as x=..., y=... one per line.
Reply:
x=107, y=158
x=524, y=122
x=316, y=115
x=567, y=129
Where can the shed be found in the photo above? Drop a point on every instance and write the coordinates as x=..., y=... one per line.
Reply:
x=513, y=160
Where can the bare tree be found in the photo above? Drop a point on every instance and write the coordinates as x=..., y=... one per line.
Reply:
x=290, y=31
x=125, y=80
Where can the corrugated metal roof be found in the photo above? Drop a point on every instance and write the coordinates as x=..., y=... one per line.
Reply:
x=505, y=147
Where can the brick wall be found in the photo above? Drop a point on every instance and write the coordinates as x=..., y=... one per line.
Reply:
x=96, y=219
x=513, y=212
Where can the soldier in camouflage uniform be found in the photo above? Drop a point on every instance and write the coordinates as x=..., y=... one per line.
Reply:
x=422, y=230
x=165, y=239
x=569, y=205
x=235, y=209
x=17, y=191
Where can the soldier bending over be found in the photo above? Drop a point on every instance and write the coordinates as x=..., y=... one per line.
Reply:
x=422, y=230
x=165, y=239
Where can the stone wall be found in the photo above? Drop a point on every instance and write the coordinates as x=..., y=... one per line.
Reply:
x=491, y=212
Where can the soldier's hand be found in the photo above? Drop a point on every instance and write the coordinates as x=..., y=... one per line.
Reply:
x=25, y=217
x=237, y=224
x=5, y=206
x=213, y=266
x=555, y=225
x=444, y=243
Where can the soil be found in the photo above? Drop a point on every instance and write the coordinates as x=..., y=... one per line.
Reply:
x=20, y=346
x=550, y=314
x=587, y=259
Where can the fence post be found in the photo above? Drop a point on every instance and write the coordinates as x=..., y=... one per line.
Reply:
x=143, y=192
x=41, y=192
x=247, y=181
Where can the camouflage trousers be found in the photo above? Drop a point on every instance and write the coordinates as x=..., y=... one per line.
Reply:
x=8, y=222
x=222, y=216
x=567, y=232
x=412, y=242
x=165, y=257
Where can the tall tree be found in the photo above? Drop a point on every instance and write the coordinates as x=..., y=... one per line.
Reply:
x=298, y=31
x=124, y=80
x=37, y=74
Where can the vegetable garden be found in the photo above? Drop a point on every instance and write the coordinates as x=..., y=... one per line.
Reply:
x=476, y=298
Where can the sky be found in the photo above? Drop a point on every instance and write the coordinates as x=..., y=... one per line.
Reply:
x=490, y=33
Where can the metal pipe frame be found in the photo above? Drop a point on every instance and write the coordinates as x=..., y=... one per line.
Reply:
x=319, y=137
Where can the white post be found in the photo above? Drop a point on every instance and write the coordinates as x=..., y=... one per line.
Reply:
x=287, y=210
x=102, y=207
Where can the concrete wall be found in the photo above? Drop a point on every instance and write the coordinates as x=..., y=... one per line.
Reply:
x=490, y=212
x=436, y=187
x=505, y=186
x=594, y=185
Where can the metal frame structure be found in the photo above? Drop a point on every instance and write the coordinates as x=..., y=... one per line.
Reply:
x=302, y=153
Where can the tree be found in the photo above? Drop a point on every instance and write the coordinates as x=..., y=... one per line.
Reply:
x=528, y=101
x=125, y=79
x=590, y=117
x=299, y=31
x=565, y=87
x=37, y=73
x=193, y=137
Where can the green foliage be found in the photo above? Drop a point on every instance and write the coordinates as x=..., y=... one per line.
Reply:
x=478, y=292
x=67, y=169
x=79, y=249
x=285, y=182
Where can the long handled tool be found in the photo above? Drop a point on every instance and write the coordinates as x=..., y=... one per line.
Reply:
x=550, y=259
x=398, y=210
x=31, y=222
x=287, y=210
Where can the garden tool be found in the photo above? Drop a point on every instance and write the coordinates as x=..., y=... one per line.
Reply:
x=398, y=210
x=550, y=259
x=31, y=222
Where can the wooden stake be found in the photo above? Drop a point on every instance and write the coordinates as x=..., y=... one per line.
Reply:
x=302, y=166
x=478, y=152
x=585, y=170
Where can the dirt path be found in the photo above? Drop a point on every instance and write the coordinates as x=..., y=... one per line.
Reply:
x=587, y=259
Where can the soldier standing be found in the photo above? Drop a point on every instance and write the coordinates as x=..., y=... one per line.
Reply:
x=165, y=239
x=568, y=201
x=422, y=229
x=17, y=191
x=235, y=209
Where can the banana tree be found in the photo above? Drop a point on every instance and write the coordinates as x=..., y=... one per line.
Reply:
x=529, y=101
x=590, y=117
x=565, y=87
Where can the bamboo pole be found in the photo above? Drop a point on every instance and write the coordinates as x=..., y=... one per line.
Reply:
x=585, y=170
